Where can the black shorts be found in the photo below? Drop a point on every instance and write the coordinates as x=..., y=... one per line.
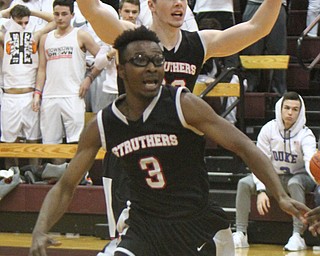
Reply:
x=151, y=236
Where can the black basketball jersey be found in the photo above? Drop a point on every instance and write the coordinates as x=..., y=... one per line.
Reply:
x=163, y=158
x=183, y=63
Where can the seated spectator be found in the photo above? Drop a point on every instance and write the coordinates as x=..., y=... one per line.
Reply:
x=289, y=144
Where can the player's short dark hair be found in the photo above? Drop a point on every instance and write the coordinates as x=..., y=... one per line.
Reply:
x=68, y=3
x=139, y=34
x=19, y=11
x=291, y=96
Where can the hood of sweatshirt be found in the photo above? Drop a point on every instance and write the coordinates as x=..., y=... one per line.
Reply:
x=296, y=127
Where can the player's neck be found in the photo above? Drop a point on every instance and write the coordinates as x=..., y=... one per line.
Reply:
x=169, y=36
x=62, y=31
x=133, y=109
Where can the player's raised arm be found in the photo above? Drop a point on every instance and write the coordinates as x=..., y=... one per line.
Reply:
x=232, y=40
x=106, y=26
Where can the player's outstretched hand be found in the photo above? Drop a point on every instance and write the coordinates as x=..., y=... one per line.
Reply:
x=293, y=207
x=40, y=242
x=312, y=218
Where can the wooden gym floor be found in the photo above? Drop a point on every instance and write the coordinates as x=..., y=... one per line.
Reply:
x=12, y=244
x=17, y=244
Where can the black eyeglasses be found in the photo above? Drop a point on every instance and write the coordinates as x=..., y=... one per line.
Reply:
x=141, y=60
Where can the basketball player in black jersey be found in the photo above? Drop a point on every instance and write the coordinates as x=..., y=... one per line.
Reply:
x=157, y=132
x=185, y=52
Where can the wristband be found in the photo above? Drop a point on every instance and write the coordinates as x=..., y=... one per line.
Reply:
x=37, y=91
x=261, y=191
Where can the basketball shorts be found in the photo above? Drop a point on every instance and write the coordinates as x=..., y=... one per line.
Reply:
x=18, y=119
x=62, y=116
x=207, y=233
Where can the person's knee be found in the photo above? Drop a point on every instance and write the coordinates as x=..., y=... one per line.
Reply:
x=244, y=185
x=295, y=186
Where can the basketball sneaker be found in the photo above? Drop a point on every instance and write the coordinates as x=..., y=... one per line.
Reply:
x=295, y=243
x=240, y=240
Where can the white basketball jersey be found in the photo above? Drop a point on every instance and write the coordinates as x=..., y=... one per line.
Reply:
x=20, y=57
x=66, y=65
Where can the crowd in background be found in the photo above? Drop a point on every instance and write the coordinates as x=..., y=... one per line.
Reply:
x=56, y=96
x=100, y=77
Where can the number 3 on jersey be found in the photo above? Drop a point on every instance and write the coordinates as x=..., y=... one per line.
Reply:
x=155, y=177
x=177, y=83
